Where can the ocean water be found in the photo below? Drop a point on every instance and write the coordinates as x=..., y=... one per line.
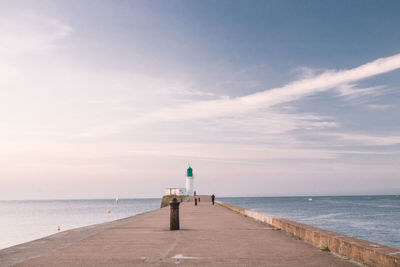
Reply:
x=23, y=221
x=374, y=218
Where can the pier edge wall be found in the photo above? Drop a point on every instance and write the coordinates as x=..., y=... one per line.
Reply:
x=363, y=251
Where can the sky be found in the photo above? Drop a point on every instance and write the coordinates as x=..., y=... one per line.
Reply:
x=105, y=99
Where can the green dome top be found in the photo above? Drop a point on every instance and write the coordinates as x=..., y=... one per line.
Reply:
x=190, y=172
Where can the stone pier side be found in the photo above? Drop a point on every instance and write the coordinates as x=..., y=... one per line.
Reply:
x=362, y=251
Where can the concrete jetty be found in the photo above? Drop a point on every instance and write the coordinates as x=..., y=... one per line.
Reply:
x=209, y=236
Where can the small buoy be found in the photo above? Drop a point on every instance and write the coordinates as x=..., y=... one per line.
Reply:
x=108, y=211
x=58, y=228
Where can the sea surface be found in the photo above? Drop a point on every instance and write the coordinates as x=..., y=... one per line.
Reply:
x=374, y=218
x=26, y=220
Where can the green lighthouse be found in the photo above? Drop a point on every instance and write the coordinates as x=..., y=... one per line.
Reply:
x=189, y=181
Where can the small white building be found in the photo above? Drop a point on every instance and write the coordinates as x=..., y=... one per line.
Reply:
x=188, y=191
x=175, y=191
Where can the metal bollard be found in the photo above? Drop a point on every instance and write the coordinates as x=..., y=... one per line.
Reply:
x=174, y=214
x=195, y=201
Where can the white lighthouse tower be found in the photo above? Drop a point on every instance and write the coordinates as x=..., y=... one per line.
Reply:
x=189, y=181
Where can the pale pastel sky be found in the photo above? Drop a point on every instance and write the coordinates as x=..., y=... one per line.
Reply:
x=105, y=99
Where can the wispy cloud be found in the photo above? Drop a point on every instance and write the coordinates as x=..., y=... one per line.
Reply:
x=363, y=139
x=182, y=90
x=30, y=33
x=258, y=115
x=351, y=91
x=379, y=106
x=307, y=72
x=269, y=98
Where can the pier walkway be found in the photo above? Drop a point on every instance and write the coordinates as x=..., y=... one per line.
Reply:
x=209, y=236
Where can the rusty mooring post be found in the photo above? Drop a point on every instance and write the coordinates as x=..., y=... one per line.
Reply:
x=174, y=214
x=195, y=201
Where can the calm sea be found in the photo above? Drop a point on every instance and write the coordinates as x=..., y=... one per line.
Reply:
x=374, y=218
x=22, y=221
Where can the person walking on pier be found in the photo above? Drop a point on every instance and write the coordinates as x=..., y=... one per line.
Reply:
x=213, y=199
